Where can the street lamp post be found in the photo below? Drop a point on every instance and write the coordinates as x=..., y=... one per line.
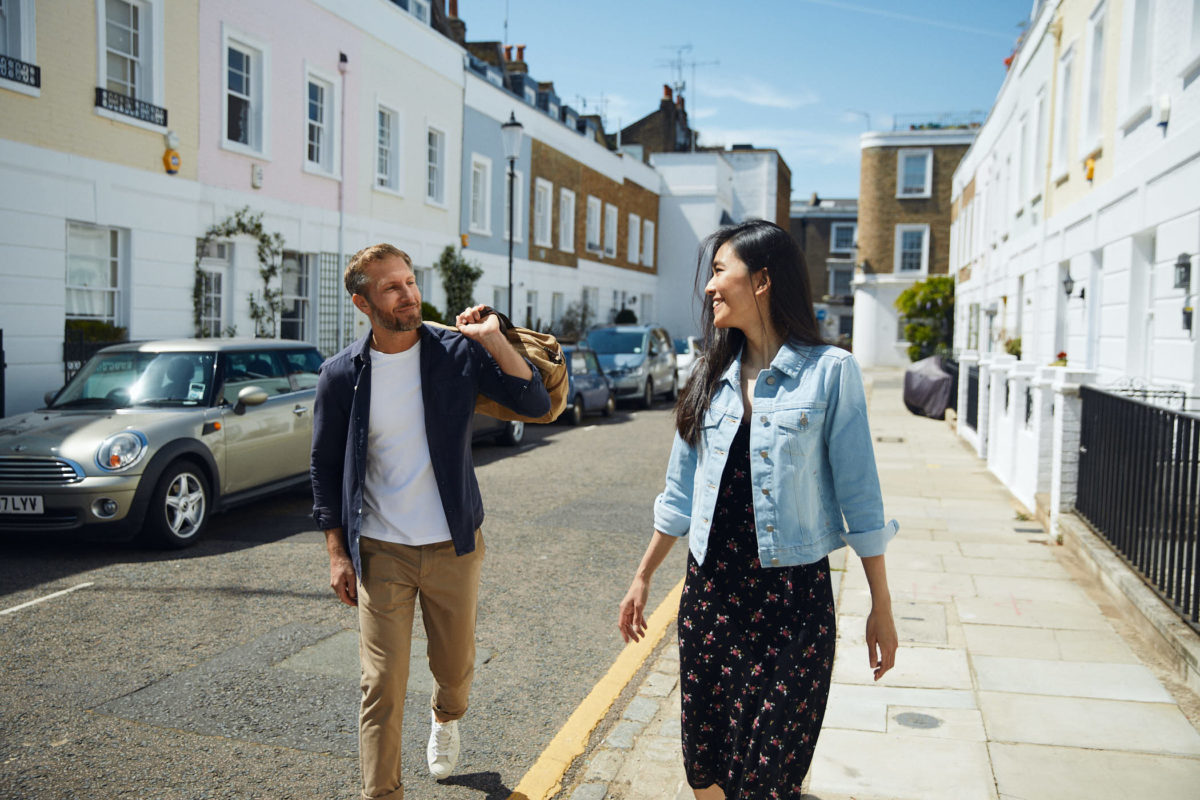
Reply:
x=510, y=134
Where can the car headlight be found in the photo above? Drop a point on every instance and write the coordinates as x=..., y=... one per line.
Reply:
x=121, y=451
x=639, y=370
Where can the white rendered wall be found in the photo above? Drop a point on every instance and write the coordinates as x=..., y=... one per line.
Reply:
x=875, y=320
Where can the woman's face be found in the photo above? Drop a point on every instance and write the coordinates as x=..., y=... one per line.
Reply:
x=736, y=302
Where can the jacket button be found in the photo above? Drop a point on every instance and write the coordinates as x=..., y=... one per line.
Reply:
x=774, y=562
x=764, y=419
x=762, y=453
x=770, y=528
x=770, y=380
x=766, y=491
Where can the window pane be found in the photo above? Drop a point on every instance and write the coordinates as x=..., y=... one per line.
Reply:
x=914, y=174
x=239, y=120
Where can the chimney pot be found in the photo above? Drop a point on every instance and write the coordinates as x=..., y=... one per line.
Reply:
x=508, y=52
x=453, y=8
x=520, y=52
x=814, y=201
x=667, y=93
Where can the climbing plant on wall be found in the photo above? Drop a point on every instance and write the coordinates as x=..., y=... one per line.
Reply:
x=266, y=304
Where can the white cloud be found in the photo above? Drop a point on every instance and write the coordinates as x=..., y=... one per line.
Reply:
x=755, y=92
x=702, y=113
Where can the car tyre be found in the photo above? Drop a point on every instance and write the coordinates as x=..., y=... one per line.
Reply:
x=179, y=507
x=513, y=433
x=610, y=406
x=647, y=394
x=673, y=395
x=574, y=414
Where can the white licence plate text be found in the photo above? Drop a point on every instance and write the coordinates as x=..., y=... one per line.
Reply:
x=20, y=504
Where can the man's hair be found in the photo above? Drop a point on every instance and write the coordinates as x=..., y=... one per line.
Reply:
x=356, y=279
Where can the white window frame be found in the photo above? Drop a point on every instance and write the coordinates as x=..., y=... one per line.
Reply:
x=833, y=270
x=483, y=224
x=329, y=165
x=151, y=56
x=438, y=197
x=1062, y=117
x=119, y=261
x=25, y=43
x=833, y=231
x=393, y=181
x=648, y=242
x=566, y=220
x=1191, y=42
x=1040, y=156
x=1022, y=182
x=610, y=230
x=543, y=213
x=421, y=16
x=260, y=80
x=899, y=242
x=595, y=209
x=518, y=194
x=216, y=262
x=902, y=157
x=1134, y=97
x=634, y=238
x=1091, y=121
x=307, y=263
x=558, y=306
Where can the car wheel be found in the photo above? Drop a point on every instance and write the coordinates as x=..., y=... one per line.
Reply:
x=610, y=406
x=574, y=414
x=648, y=394
x=513, y=433
x=179, y=507
x=673, y=395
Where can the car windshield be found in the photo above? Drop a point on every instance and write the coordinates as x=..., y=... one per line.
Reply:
x=608, y=341
x=125, y=379
x=682, y=347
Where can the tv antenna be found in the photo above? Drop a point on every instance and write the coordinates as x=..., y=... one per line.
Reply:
x=677, y=65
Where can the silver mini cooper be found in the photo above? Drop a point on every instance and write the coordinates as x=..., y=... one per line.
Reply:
x=151, y=438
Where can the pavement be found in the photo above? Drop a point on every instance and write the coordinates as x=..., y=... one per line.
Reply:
x=1016, y=678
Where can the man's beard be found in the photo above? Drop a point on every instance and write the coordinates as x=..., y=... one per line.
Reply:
x=392, y=322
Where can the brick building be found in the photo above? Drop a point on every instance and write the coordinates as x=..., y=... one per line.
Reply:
x=665, y=130
x=903, y=229
x=827, y=231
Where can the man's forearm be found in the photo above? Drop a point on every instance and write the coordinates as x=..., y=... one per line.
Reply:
x=335, y=543
x=506, y=356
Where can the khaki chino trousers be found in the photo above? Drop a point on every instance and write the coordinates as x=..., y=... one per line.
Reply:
x=393, y=577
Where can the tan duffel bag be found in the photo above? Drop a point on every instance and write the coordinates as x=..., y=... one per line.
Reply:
x=546, y=355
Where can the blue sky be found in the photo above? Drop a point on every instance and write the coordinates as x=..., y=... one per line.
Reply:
x=797, y=75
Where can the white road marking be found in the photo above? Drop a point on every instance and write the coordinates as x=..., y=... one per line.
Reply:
x=44, y=599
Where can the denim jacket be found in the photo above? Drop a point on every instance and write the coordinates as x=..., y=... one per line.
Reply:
x=811, y=461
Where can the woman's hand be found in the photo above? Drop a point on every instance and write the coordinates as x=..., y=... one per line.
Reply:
x=881, y=639
x=631, y=617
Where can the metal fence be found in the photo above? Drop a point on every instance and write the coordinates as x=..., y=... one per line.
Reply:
x=973, y=397
x=1139, y=487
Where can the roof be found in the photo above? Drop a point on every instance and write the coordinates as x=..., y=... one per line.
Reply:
x=193, y=345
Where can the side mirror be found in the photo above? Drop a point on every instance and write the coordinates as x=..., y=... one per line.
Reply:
x=249, y=396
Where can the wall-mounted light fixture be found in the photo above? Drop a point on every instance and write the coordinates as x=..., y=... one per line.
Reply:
x=1183, y=271
x=1069, y=287
x=1187, y=313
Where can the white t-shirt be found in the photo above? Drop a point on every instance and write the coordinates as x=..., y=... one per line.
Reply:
x=400, y=495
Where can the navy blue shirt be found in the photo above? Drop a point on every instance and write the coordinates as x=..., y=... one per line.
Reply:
x=454, y=369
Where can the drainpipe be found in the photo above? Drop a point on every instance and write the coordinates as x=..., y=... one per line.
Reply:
x=343, y=65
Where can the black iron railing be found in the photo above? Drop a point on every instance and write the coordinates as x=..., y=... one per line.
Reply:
x=19, y=72
x=131, y=107
x=973, y=397
x=1139, y=487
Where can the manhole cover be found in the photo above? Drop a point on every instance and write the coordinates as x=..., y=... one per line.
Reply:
x=911, y=719
x=890, y=439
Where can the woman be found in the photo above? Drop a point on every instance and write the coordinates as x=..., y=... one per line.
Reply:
x=772, y=451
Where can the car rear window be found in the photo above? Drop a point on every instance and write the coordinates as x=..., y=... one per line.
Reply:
x=609, y=341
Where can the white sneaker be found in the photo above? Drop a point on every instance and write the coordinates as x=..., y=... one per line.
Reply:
x=442, y=752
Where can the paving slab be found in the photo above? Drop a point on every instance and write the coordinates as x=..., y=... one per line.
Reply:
x=1034, y=772
x=860, y=763
x=916, y=667
x=1022, y=550
x=866, y=707
x=1011, y=567
x=1097, y=724
x=1024, y=613
x=1037, y=589
x=1008, y=640
x=916, y=623
x=1069, y=679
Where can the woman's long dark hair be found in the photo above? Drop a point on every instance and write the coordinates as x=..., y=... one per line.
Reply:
x=760, y=245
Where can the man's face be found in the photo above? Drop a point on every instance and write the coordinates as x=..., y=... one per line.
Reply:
x=392, y=300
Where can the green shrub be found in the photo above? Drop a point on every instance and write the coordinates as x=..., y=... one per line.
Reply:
x=458, y=278
x=928, y=309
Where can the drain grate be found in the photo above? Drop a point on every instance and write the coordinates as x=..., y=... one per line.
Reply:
x=890, y=439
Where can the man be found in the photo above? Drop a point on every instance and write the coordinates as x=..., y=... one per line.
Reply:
x=395, y=491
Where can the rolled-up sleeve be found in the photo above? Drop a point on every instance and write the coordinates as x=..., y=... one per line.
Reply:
x=526, y=397
x=330, y=420
x=673, y=508
x=852, y=460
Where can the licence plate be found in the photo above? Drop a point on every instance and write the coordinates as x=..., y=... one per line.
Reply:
x=20, y=504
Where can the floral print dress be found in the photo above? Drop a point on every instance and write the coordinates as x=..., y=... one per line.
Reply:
x=756, y=653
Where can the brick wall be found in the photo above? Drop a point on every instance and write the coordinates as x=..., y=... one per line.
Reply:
x=880, y=211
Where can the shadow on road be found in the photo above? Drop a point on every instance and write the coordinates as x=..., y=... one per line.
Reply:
x=488, y=782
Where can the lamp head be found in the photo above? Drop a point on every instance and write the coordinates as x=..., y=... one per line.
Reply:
x=510, y=134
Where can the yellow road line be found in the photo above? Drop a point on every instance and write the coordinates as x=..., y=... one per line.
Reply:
x=544, y=778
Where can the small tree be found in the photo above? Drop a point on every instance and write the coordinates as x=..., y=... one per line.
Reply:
x=575, y=322
x=928, y=309
x=458, y=278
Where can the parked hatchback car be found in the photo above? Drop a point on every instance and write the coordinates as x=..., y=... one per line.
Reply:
x=639, y=360
x=155, y=437
x=686, y=351
x=588, y=388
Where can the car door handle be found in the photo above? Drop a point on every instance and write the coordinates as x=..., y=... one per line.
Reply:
x=299, y=411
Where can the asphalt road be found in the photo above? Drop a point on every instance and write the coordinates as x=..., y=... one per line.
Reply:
x=230, y=671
